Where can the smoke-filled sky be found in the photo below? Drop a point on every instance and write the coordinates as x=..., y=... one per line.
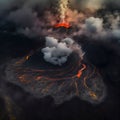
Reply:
x=36, y=18
x=78, y=4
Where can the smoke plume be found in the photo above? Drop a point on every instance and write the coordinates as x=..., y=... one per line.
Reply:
x=57, y=52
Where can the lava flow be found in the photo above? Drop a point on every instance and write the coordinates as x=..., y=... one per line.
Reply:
x=62, y=24
x=81, y=70
x=73, y=79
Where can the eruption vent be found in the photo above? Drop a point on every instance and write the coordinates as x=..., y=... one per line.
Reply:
x=62, y=24
x=63, y=6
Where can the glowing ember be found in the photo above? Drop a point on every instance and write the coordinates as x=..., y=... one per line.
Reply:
x=62, y=24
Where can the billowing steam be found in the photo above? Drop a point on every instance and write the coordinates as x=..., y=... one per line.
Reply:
x=94, y=25
x=57, y=52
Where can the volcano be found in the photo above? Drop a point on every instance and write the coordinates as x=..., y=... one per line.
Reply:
x=29, y=81
x=76, y=77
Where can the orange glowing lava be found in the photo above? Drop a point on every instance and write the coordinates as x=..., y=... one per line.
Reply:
x=62, y=24
x=81, y=70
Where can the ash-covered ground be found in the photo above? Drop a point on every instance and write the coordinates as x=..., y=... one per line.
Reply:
x=80, y=85
x=60, y=77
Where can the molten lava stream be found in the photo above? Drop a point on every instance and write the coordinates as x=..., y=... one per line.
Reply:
x=81, y=70
x=62, y=24
x=49, y=78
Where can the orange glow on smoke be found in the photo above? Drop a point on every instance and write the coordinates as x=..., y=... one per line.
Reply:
x=81, y=70
x=62, y=24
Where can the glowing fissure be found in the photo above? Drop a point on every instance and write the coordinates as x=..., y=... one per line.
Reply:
x=50, y=78
x=81, y=70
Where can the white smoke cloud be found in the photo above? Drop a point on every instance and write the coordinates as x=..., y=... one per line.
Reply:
x=112, y=30
x=96, y=28
x=94, y=25
x=57, y=52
